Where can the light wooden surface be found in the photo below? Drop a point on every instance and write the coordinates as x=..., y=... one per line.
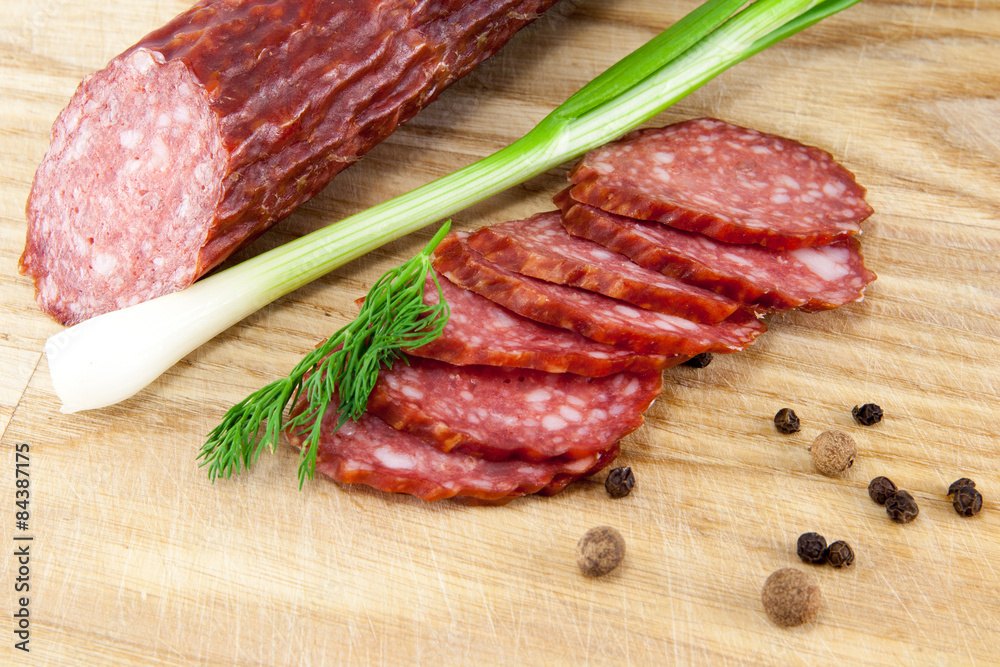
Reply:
x=136, y=558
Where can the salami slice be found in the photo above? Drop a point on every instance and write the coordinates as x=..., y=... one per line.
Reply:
x=592, y=315
x=214, y=127
x=372, y=453
x=511, y=413
x=484, y=333
x=810, y=279
x=541, y=248
x=731, y=183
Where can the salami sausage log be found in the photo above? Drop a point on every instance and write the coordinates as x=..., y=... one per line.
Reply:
x=540, y=247
x=371, y=452
x=214, y=127
x=592, y=315
x=728, y=182
x=511, y=413
x=483, y=333
x=810, y=279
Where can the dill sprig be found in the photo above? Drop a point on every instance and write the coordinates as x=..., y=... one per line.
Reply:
x=393, y=318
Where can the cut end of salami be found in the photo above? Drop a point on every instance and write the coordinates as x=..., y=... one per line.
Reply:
x=731, y=183
x=120, y=205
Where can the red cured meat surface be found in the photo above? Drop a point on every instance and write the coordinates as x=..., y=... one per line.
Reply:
x=592, y=315
x=810, y=279
x=540, y=247
x=511, y=413
x=214, y=127
x=372, y=453
x=731, y=183
x=482, y=332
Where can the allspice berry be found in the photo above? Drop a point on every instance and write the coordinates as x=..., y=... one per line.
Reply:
x=600, y=551
x=833, y=452
x=791, y=597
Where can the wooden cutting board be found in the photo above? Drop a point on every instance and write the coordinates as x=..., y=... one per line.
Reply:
x=137, y=558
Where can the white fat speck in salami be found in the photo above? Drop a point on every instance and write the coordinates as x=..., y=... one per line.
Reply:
x=392, y=458
x=479, y=426
x=553, y=423
x=830, y=263
x=811, y=279
x=730, y=183
x=372, y=453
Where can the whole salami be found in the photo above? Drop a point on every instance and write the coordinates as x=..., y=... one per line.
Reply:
x=214, y=127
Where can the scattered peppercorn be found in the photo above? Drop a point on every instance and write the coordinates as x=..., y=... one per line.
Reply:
x=791, y=597
x=811, y=548
x=968, y=501
x=600, y=551
x=786, y=420
x=840, y=554
x=833, y=452
x=699, y=360
x=901, y=507
x=619, y=482
x=867, y=414
x=881, y=488
x=958, y=484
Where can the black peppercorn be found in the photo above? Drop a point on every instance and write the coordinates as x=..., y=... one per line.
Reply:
x=958, y=484
x=811, y=548
x=968, y=501
x=901, y=507
x=881, y=488
x=619, y=482
x=867, y=414
x=699, y=360
x=786, y=420
x=840, y=554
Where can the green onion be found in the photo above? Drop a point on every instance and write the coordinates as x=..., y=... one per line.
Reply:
x=111, y=357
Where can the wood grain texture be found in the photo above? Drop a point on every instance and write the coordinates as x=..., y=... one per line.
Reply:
x=137, y=559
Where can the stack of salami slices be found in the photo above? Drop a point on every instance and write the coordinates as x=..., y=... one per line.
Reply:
x=669, y=243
